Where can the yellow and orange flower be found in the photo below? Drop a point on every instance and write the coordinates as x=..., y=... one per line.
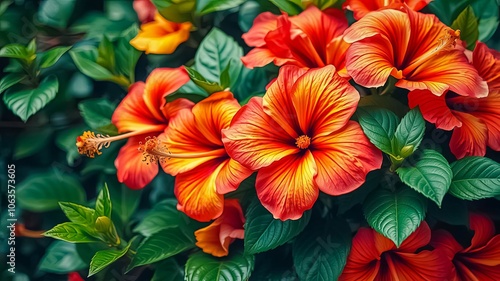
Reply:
x=192, y=150
x=416, y=49
x=362, y=7
x=299, y=138
x=479, y=261
x=474, y=121
x=142, y=113
x=215, y=238
x=373, y=257
x=311, y=39
x=161, y=36
x=145, y=10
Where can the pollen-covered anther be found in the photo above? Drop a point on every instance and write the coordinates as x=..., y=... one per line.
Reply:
x=303, y=142
x=90, y=144
x=448, y=40
x=153, y=150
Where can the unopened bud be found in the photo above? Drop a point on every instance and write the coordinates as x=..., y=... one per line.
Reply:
x=406, y=151
x=103, y=224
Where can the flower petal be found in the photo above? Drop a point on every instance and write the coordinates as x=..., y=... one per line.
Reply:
x=470, y=139
x=254, y=139
x=323, y=101
x=262, y=24
x=344, y=159
x=488, y=254
x=160, y=83
x=286, y=188
x=443, y=240
x=130, y=167
x=424, y=265
x=195, y=190
x=434, y=109
x=487, y=63
x=418, y=239
x=230, y=176
x=483, y=228
x=258, y=57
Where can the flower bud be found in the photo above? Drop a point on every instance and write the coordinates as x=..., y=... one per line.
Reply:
x=406, y=151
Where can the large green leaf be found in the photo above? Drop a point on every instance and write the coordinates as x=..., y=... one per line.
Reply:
x=126, y=54
x=164, y=215
x=10, y=80
x=168, y=270
x=124, y=200
x=320, y=253
x=161, y=245
x=97, y=115
x=475, y=178
x=15, y=51
x=198, y=79
x=104, y=258
x=216, y=51
x=395, y=215
x=409, y=133
x=85, y=61
x=263, y=232
x=467, y=23
x=203, y=267
x=106, y=54
x=50, y=57
x=103, y=204
x=78, y=214
x=42, y=192
x=204, y=7
x=71, y=232
x=61, y=258
x=431, y=175
x=27, y=102
x=379, y=125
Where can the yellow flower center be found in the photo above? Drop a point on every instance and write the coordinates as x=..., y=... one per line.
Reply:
x=303, y=142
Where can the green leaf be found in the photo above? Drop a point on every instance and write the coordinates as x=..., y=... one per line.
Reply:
x=209, y=86
x=97, y=115
x=409, y=132
x=124, y=200
x=247, y=13
x=25, y=146
x=10, y=80
x=14, y=51
x=379, y=125
x=176, y=11
x=85, y=62
x=204, y=267
x=61, y=258
x=320, y=253
x=291, y=7
x=467, y=23
x=78, y=214
x=263, y=232
x=42, y=192
x=164, y=215
x=386, y=102
x=103, y=205
x=65, y=140
x=55, y=13
x=161, y=245
x=126, y=54
x=168, y=270
x=431, y=176
x=204, y=7
x=475, y=178
x=71, y=232
x=216, y=51
x=50, y=57
x=104, y=258
x=251, y=82
x=106, y=54
x=395, y=215
x=25, y=103
x=225, y=79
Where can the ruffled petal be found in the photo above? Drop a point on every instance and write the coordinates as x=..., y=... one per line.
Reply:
x=262, y=24
x=344, y=159
x=130, y=167
x=470, y=139
x=418, y=239
x=323, y=101
x=277, y=102
x=286, y=188
x=424, y=265
x=132, y=114
x=254, y=139
x=483, y=228
x=230, y=176
x=488, y=254
x=434, y=109
x=170, y=109
x=443, y=240
x=160, y=83
x=487, y=63
x=196, y=192
x=258, y=57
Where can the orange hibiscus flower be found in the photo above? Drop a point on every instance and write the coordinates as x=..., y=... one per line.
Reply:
x=479, y=261
x=142, y=113
x=474, y=121
x=161, y=36
x=300, y=139
x=311, y=39
x=362, y=7
x=192, y=150
x=414, y=48
x=215, y=238
x=373, y=257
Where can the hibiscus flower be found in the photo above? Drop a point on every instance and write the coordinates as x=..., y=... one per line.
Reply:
x=362, y=7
